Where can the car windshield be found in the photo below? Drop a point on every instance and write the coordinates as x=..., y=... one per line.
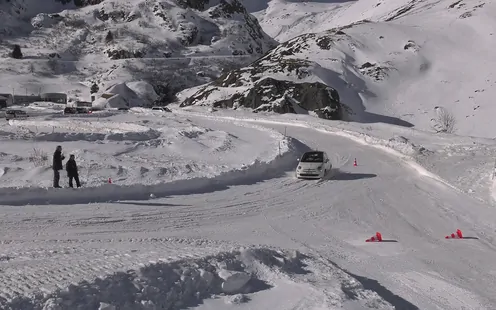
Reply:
x=313, y=157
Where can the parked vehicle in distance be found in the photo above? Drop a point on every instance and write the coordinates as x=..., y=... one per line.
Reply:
x=83, y=110
x=70, y=110
x=313, y=165
x=15, y=114
x=77, y=110
x=163, y=109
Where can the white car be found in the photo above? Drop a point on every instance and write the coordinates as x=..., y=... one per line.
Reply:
x=313, y=165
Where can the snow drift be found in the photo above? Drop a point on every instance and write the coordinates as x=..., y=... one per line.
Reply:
x=235, y=276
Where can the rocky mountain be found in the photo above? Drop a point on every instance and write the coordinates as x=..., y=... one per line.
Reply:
x=389, y=61
x=277, y=82
x=70, y=45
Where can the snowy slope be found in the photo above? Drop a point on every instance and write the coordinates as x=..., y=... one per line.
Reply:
x=390, y=61
x=233, y=247
x=204, y=211
x=67, y=49
x=138, y=147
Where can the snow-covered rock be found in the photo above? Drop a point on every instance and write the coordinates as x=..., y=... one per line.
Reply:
x=207, y=276
x=234, y=281
x=105, y=306
x=275, y=82
x=144, y=90
x=126, y=97
x=45, y=20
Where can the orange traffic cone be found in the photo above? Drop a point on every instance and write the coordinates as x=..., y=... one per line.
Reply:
x=110, y=181
x=376, y=238
x=457, y=235
x=355, y=163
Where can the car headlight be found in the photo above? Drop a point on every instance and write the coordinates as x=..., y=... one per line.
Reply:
x=299, y=167
x=319, y=167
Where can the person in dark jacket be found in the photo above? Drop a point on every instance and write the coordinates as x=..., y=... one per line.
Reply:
x=72, y=171
x=57, y=165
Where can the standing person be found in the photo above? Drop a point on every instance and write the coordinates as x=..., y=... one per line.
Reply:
x=57, y=165
x=72, y=171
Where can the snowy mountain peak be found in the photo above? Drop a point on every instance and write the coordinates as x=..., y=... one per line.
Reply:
x=106, y=42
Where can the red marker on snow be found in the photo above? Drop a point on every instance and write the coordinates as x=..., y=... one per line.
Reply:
x=376, y=238
x=457, y=235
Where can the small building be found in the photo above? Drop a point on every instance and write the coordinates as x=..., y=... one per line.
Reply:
x=25, y=100
x=5, y=100
x=54, y=97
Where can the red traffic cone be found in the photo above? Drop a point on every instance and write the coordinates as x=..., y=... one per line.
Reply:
x=355, y=163
x=457, y=235
x=376, y=238
x=110, y=181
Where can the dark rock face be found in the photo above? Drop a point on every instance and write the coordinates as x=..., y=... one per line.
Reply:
x=123, y=54
x=280, y=97
x=194, y=4
x=282, y=81
x=81, y=3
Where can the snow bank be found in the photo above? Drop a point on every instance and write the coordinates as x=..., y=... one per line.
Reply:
x=259, y=276
x=290, y=151
x=134, y=148
x=168, y=284
x=78, y=125
x=92, y=137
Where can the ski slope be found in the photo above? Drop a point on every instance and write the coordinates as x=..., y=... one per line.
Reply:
x=113, y=245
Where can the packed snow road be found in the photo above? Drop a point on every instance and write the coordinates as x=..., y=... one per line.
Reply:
x=414, y=213
x=416, y=268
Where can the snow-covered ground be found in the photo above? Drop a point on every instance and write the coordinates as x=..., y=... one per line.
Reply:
x=137, y=147
x=251, y=238
x=204, y=211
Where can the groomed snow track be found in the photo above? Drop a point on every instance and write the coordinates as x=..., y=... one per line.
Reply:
x=328, y=220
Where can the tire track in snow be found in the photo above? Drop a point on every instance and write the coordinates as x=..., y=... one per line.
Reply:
x=324, y=269
x=115, y=218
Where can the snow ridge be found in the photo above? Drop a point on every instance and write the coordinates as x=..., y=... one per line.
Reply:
x=177, y=282
x=254, y=172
